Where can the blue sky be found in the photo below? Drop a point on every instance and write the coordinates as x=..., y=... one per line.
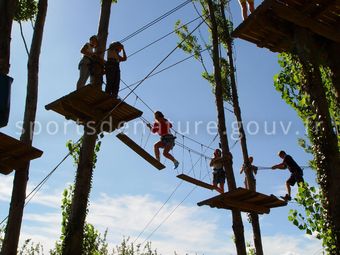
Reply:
x=127, y=191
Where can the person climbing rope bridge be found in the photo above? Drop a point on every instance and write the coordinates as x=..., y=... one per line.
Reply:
x=162, y=127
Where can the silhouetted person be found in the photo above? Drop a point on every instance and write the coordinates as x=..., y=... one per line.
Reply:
x=88, y=51
x=295, y=170
x=218, y=171
x=112, y=68
x=253, y=169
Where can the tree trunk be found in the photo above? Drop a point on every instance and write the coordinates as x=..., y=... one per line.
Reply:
x=16, y=209
x=334, y=64
x=236, y=214
x=7, y=11
x=73, y=242
x=326, y=148
x=254, y=218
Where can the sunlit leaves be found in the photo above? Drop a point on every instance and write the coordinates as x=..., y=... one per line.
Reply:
x=26, y=10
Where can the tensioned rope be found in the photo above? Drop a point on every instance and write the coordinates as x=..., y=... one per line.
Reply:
x=167, y=200
x=107, y=115
x=162, y=37
x=155, y=21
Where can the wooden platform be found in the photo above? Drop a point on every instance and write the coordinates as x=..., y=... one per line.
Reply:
x=14, y=154
x=244, y=200
x=140, y=151
x=195, y=181
x=91, y=104
x=272, y=23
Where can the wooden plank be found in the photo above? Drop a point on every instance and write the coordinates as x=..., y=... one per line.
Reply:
x=296, y=17
x=140, y=151
x=196, y=182
x=244, y=200
x=91, y=104
x=280, y=17
x=223, y=202
x=15, y=154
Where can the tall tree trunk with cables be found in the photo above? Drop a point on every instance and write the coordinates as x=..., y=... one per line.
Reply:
x=73, y=242
x=7, y=11
x=326, y=143
x=12, y=234
x=236, y=214
x=254, y=218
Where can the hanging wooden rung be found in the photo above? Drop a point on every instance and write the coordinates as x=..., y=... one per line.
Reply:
x=91, y=104
x=244, y=200
x=140, y=151
x=195, y=181
x=15, y=154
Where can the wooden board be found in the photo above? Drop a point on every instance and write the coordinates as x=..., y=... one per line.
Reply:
x=244, y=200
x=140, y=151
x=90, y=105
x=195, y=181
x=272, y=23
x=15, y=154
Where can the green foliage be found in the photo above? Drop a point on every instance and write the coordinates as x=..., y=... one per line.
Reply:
x=28, y=248
x=128, y=248
x=93, y=242
x=313, y=220
x=291, y=82
x=74, y=149
x=26, y=10
x=250, y=249
x=191, y=45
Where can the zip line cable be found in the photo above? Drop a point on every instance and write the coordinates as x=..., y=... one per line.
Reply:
x=162, y=70
x=161, y=38
x=171, y=195
x=147, y=122
x=156, y=20
x=172, y=212
x=106, y=116
x=40, y=184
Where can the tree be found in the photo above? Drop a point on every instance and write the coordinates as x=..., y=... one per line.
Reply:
x=11, y=240
x=7, y=11
x=309, y=90
x=229, y=89
x=222, y=130
x=74, y=236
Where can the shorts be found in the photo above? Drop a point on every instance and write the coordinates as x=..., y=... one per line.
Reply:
x=295, y=179
x=218, y=176
x=168, y=140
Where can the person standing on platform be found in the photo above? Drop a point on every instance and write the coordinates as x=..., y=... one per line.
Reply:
x=219, y=174
x=162, y=127
x=295, y=170
x=253, y=169
x=244, y=6
x=112, y=68
x=88, y=51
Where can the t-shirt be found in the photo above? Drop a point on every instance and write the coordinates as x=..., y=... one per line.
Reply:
x=89, y=48
x=162, y=127
x=217, y=163
x=292, y=166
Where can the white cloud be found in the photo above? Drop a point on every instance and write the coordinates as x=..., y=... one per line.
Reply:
x=189, y=230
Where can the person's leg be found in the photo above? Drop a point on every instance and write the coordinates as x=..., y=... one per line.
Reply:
x=244, y=8
x=115, y=86
x=84, y=73
x=222, y=187
x=288, y=188
x=251, y=5
x=156, y=149
x=167, y=154
x=109, y=77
